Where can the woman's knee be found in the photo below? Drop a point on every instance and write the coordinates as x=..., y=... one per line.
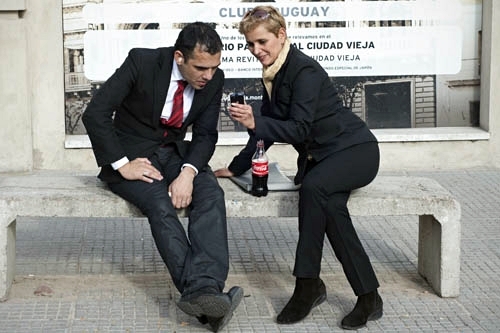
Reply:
x=311, y=186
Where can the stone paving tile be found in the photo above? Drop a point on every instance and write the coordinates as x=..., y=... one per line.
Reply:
x=106, y=275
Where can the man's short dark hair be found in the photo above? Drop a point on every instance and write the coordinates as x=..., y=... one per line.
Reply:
x=198, y=34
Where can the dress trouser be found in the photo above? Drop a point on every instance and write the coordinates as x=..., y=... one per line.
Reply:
x=323, y=209
x=200, y=258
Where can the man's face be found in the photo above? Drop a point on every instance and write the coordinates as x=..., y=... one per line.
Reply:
x=199, y=68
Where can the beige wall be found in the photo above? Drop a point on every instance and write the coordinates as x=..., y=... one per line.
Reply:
x=15, y=128
x=490, y=77
x=32, y=102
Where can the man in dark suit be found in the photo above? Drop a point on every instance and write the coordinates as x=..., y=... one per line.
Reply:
x=137, y=122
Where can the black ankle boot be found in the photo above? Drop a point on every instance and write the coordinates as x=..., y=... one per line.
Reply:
x=368, y=307
x=308, y=293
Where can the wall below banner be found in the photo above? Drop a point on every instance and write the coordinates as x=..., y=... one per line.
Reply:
x=32, y=105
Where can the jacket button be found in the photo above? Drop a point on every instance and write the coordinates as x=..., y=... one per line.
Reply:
x=309, y=157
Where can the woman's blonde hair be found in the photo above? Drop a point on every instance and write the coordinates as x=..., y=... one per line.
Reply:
x=266, y=15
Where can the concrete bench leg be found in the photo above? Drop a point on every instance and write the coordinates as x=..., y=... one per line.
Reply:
x=439, y=255
x=7, y=253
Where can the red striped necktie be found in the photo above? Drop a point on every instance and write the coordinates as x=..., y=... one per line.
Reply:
x=177, y=114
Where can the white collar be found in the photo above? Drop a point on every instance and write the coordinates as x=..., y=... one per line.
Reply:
x=176, y=73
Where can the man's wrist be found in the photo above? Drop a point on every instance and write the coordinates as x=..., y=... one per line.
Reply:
x=121, y=162
x=190, y=168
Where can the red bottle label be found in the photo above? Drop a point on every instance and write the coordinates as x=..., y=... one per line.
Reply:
x=260, y=168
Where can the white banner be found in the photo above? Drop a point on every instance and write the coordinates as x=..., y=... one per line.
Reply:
x=373, y=51
x=293, y=11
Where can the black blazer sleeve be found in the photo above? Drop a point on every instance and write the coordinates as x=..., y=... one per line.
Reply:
x=98, y=116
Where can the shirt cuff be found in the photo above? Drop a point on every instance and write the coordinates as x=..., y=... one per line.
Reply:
x=118, y=164
x=191, y=166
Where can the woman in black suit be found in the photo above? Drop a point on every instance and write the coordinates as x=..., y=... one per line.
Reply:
x=336, y=154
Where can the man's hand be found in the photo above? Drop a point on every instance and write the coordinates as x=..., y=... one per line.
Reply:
x=140, y=169
x=181, y=189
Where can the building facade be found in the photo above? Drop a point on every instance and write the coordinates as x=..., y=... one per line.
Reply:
x=42, y=79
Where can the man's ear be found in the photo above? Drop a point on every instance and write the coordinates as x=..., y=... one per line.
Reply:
x=179, y=57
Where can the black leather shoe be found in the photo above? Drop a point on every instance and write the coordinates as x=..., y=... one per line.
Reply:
x=206, y=302
x=235, y=294
x=368, y=307
x=308, y=293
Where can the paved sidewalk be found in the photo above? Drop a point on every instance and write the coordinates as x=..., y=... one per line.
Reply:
x=105, y=275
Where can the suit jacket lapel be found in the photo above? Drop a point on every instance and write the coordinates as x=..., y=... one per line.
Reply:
x=195, y=107
x=161, y=82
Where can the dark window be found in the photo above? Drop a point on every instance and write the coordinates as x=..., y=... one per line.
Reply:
x=388, y=105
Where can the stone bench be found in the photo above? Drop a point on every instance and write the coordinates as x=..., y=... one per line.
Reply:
x=81, y=194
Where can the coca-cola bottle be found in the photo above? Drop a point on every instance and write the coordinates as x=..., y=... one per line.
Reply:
x=260, y=171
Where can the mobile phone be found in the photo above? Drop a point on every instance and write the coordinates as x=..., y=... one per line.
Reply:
x=237, y=97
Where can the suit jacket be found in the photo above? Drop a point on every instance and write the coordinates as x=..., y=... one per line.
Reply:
x=123, y=117
x=306, y=111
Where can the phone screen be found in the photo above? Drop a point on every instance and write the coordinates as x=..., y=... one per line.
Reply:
x=237, y=97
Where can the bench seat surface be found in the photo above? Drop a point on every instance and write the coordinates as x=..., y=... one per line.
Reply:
x=53, y=193
x=81, y=194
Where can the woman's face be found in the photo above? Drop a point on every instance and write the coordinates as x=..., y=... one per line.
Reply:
x=265, y=45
